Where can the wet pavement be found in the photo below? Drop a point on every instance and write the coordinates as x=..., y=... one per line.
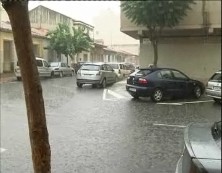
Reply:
x=93, y=130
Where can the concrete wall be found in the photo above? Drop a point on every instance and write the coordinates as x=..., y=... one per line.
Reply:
x=197, y=58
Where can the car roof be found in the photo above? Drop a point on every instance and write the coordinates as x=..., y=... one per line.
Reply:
x=94, y=63
x=157, y=68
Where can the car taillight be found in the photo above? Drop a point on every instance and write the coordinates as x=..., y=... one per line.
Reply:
x=142, y=81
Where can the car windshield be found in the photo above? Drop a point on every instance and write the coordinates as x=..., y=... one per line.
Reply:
x=54, y=64
x=114, y=66
x=216, y=77
x=90, y=67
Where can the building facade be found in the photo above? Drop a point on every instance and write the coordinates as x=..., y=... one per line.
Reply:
x=194, y=46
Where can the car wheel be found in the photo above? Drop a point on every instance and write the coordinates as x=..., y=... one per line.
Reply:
x=197, y=92
x=52, y=74
x=217, y=100
x=19, y=78
x=157, y=95
x=60, y=74
x=103, y=85
x=94, y=85
x=79, y=85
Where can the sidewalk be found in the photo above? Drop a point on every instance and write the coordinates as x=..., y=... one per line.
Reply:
x=7, y=77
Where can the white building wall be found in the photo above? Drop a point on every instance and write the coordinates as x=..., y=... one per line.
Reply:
x=195, y=58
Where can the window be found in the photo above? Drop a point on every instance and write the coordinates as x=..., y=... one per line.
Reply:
x=179, y=75
x=216, y=77
x=109, y=68
x=45, y=64
x=90, y=67
x=166, y=74
x=115, y=66
x=143, y=72
x=39, y=63
x=103, y=67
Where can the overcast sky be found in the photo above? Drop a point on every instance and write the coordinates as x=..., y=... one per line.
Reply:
x=92, y=12
x=80, y=10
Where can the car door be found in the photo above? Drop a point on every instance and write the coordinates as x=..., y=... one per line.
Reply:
x=166, y=82
x=181, y=83
x=111, y=74
x=46, y=69
x=40, y=67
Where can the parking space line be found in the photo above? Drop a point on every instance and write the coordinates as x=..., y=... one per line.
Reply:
x=182, y=103
x=115, y=94
x=3, y=150
x=176, y=104
x=168, y=125
x=197, y=102
x=104, y=94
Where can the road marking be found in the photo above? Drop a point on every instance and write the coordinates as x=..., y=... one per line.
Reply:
x=3, y=150
x=182, y=103
x=115, y=94
x=168, y=125
x=176, y=104
x=104, y=94
x=197, y=102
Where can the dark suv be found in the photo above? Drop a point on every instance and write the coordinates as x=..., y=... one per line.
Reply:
x=158, y=83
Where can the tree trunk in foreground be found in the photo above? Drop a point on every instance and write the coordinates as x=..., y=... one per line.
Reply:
x=19, y=18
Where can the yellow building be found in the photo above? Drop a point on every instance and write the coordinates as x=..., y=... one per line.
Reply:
x=194, y=46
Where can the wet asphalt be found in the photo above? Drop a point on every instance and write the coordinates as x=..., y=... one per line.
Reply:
x=92, y=130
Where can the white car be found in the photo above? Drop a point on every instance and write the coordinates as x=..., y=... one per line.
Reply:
x=120, y=69
x=61, y=69
x=43, y=69
x=213, y=88
x=97, y=74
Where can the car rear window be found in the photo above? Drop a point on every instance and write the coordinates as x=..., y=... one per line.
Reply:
x=216, y=77
x=143, y=72
x=90, y=67
x=54, y=64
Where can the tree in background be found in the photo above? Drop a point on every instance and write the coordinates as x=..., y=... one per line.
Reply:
x=63, y=41
x=60, y=40
x=38, y=133
x=155, y=15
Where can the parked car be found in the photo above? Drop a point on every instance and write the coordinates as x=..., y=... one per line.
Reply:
x=61, y=69
x=202, y=151
x=97, y=74
x=158, y=83
x=213, y=88
x=43, y=69
x=130, y=67
x=120, y=69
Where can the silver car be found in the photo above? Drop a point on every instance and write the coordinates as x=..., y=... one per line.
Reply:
x=97, y=74
x=61, y=69
x=213, y=88
x=43, y=69
x=202, y=150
